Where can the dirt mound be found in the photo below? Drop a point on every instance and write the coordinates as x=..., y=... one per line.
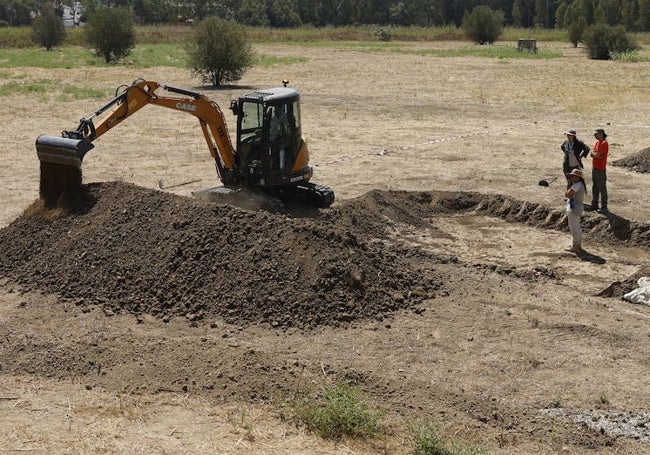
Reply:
x=129, y=249
x=639, y=162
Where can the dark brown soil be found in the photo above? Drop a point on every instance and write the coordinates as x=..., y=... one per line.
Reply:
x=124, y=249
x=132, y=250
x=639, y=162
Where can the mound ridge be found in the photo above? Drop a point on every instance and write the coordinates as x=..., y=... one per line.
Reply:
x=133, y=250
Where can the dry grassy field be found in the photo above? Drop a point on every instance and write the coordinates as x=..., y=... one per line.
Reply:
x=512, y=364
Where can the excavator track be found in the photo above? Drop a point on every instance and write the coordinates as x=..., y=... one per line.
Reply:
x=318, y=195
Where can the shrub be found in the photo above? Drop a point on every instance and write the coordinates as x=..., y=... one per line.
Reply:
x=47, y=28
x=111, y=33
x=576, y=30
x=220, y=51
x=603, y=41
x=383, y=34
x=337, y=412
x=483, y=25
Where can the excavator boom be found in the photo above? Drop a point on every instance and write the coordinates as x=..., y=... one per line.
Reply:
x=61, y=157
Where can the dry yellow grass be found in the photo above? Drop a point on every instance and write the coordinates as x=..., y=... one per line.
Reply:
x=461, y=123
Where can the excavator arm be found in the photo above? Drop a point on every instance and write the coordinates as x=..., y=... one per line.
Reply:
x=61, y=157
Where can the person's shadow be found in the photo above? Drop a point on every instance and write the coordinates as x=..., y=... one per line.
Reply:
x=619, y=226
x=590, y=257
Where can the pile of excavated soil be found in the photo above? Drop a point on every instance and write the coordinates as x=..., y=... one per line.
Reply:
x=134, y=250
x=639, y=162
x=127, y=249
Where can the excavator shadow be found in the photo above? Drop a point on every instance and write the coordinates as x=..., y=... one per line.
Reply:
x=249, y=199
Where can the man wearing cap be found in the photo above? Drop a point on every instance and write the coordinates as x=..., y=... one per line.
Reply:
x=574, y=150
x=599, y=171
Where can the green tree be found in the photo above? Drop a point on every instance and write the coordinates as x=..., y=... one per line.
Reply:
x=284, y=13
x=483, y=25
x=643, y=23
x=576, y=29
x=608, y=12
x=603, y=41
x=575, y=21
x=16, y=12
x=524, y=13
x=630, y=14
x=560, y=14
x=47, y=28
x=111, y=34
x=89, y=8
x=543, y=14
x=253, y=12
x=220, y=51
x=154, y=11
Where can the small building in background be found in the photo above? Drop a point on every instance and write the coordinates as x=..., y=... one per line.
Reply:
x=72, y=14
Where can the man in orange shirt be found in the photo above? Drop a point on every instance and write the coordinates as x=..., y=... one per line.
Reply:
x=599, y=171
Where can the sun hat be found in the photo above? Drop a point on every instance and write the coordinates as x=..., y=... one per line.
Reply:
x=571, y=131
x=576, y=172
x=601, y=131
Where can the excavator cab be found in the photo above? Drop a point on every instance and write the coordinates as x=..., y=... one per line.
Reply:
x=270, y=149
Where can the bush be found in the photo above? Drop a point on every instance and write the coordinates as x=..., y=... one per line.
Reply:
x=383, y=34
x=339, y=411
x=603, y=41
x=220, y=51
x=576, y=30
x=483, y=25
x=111, y=33
x=47, y=28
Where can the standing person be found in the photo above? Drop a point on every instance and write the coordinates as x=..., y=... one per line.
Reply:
x=575, y=196
x=574, y=150
x=599, y=171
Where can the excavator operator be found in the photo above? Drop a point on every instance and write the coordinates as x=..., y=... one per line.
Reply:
x=278, y=133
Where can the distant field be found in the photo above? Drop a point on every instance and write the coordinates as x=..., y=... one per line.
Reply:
x=19, y=37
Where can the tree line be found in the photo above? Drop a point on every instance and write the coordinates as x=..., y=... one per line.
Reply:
x=634, y=15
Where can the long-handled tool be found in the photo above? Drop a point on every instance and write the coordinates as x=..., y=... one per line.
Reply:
x=547, y=182
x=163, y=187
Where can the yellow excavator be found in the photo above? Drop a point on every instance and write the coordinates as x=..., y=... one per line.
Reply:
x=270, y=158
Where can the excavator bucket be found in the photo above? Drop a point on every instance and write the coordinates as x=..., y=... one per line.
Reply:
x=60, y=167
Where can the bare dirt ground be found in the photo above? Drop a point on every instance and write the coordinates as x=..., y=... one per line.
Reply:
x=148, y=321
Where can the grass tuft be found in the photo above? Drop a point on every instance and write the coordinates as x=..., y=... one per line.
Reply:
x=630, y=57
x=428, y=440
x=338, y=411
